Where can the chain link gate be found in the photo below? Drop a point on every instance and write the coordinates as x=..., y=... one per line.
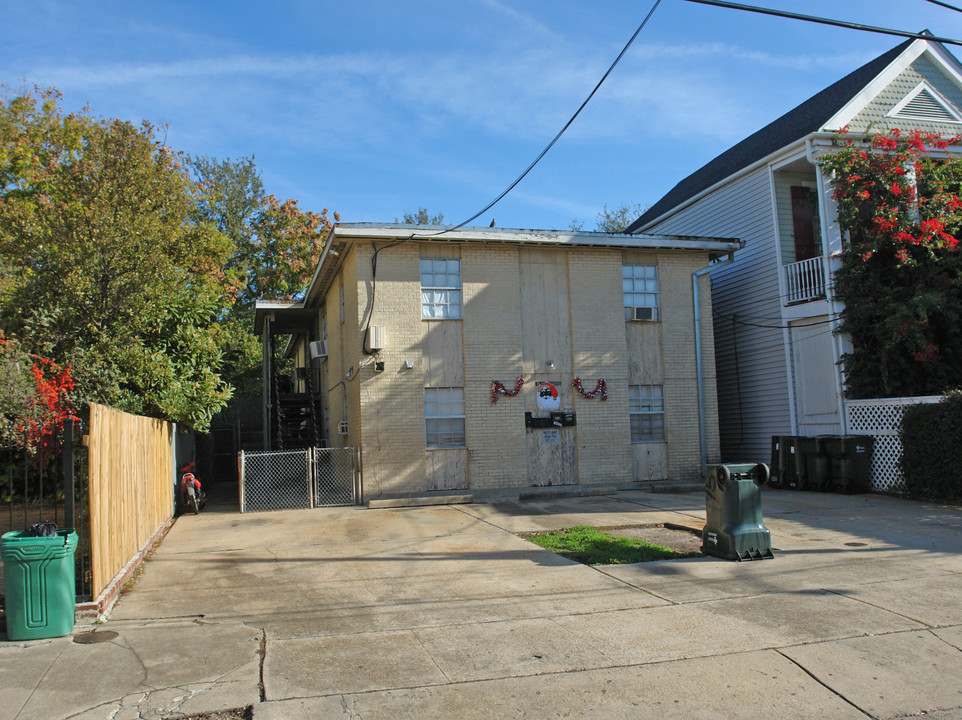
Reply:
x=296, y=479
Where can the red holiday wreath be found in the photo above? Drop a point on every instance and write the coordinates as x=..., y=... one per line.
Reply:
x=600, y=389
x=498, y=388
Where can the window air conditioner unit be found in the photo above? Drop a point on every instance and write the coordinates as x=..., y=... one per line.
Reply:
x=342, y=427
x=318, y=349
x=643, y=313
x=376, y=338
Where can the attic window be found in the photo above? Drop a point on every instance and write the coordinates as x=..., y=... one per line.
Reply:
x=925, y=103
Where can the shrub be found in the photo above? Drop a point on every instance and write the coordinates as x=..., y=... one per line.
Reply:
x=931, y=451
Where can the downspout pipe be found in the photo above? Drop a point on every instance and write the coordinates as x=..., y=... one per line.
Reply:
x=699, y=373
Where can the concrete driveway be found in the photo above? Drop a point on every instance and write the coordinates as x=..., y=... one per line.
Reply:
x=443, y=612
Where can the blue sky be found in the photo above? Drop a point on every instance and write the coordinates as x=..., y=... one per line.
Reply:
x=376, y=108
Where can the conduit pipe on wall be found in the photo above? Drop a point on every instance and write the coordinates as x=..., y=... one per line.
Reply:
x=699, y=374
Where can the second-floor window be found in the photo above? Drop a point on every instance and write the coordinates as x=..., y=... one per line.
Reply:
x=440, y=288
x=639, y=284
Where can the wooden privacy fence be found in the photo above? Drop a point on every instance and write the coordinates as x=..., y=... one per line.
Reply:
x=131, y=487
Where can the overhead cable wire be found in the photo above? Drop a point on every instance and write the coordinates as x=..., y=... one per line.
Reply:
x=732, y=318
x=560, y=132
x=945, y=5
x=828, y=21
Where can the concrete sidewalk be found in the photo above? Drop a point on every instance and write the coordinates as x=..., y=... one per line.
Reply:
x=443, y=612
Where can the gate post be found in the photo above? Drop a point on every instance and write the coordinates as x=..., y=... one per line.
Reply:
x=240, y=479
x=309, y=454
x=358, y=478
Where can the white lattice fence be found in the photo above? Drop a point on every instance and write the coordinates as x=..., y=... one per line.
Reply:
x=882, y=419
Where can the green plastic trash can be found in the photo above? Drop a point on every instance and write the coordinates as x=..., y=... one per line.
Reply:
x=38, y=583
x=733, y=512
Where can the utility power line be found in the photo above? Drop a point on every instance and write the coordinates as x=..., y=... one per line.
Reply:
x=945, y=5
x=560, y=132
x=828, y=21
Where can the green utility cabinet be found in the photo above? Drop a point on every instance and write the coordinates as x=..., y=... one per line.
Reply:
x=733, y=508
x=39, y=586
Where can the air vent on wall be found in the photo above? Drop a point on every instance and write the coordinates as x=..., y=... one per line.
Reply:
x=319, y=349
x=925, y=103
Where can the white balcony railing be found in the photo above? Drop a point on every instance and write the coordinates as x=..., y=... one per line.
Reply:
x=805, y=281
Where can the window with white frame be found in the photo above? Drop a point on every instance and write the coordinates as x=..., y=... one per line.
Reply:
x=444, y=417
x=440, y=288
x=639, y=285
x=646, y=408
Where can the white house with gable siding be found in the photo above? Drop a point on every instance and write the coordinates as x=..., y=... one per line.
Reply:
x=778, y=356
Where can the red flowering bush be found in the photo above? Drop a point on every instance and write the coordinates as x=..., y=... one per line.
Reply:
x=35, y=397
x=899, y=206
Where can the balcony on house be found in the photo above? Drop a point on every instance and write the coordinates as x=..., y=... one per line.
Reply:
x=804, y=281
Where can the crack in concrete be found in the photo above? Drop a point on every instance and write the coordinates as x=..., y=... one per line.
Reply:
x=931, y=631
x=839, y=593
x=428, y=653
x=828, y=687
x=262, y=653
x=37, y=685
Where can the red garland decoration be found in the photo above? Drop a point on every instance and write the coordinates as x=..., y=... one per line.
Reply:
x=600, y=389
x=498, y=388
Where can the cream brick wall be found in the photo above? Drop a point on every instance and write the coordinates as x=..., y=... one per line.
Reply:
x=386, y=412
x=392, y=402
x=492, y=351
x=600, y=350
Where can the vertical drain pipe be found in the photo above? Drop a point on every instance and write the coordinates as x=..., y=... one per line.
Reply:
x=698, y=358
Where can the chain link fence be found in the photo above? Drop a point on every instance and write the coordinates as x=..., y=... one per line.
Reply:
x=294, y=479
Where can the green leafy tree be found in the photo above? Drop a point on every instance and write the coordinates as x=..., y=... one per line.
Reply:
x=614, y=220
x=276, y=247
x=106, y=268
x=422, y=217
x=901, y=275
x=617, y=220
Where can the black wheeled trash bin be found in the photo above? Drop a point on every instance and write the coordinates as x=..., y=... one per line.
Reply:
x=38, y=582
x=851, y=458
x=733, y=508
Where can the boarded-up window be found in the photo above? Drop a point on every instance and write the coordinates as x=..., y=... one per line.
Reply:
x=444, y=417
x=805, y=223
x=440, y=288
x=646, y=408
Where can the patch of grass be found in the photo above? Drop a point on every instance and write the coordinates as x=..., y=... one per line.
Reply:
x=591, y=546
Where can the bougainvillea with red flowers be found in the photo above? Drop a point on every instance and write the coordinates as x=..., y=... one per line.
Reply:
x=900, y=279
x=35, y=399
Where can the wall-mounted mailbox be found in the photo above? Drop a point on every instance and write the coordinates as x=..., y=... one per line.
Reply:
x=554, y=420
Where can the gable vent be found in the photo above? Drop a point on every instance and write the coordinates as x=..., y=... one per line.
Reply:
x=924, y=103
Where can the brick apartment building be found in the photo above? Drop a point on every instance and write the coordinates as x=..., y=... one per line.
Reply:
x=410, y=343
